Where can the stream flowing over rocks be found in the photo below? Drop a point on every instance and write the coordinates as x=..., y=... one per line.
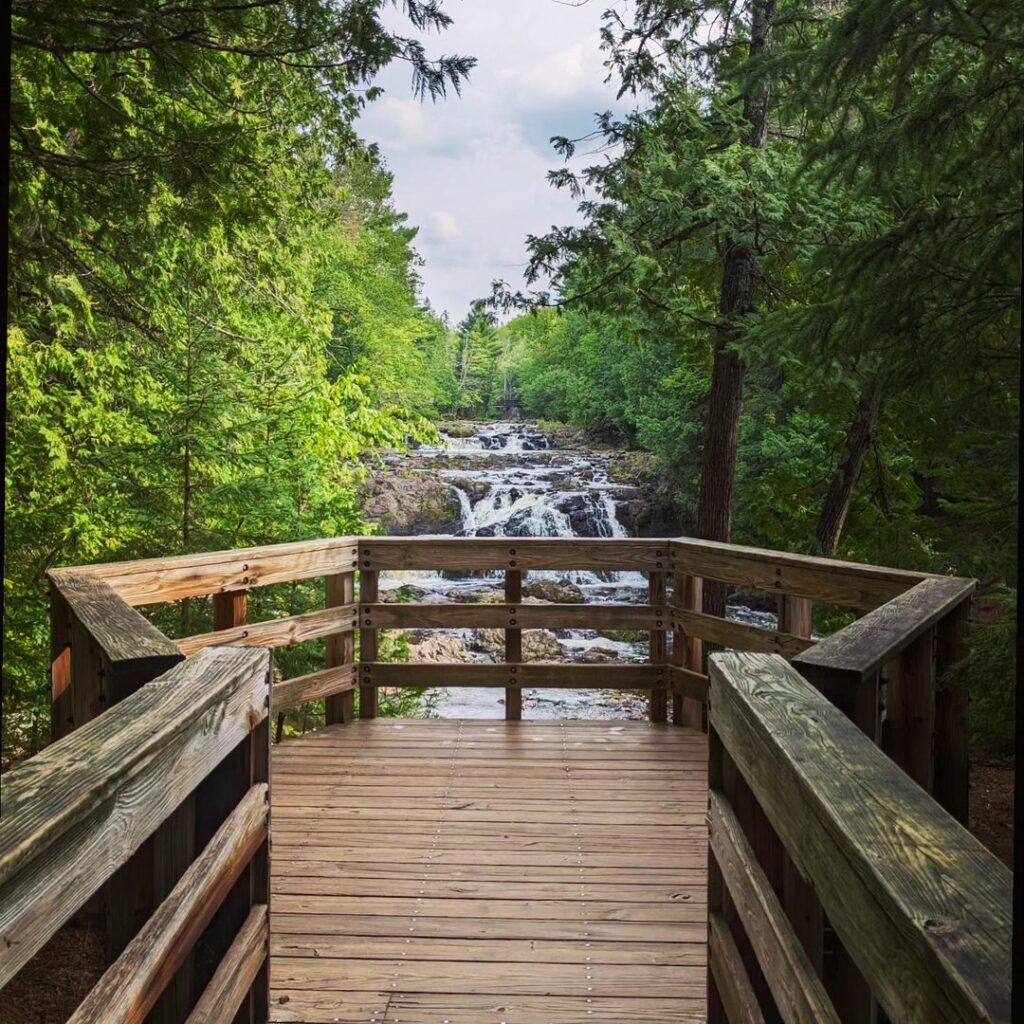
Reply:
x=517, y=480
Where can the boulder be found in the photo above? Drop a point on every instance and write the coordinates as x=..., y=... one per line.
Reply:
x=458, y=428
x=598, y=655
x=407, y=504
x=438, y=648
x=558, y=591
x=585, y=514
x=538, y=644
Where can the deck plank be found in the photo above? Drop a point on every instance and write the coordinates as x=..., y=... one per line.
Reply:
x=428, y=871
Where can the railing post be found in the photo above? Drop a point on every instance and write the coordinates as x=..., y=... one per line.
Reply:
x=658, y=654
x=369, y=580
x=341, y=590
x=513, y=644
x=230, y=609
x=910, y=709
x=952, y=731
x=796, y=615
x=688, y=651
x=62, y=716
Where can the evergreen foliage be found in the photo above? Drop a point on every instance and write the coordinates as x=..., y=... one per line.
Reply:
x=213, y=304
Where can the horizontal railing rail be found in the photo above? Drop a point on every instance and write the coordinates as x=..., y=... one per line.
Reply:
x=835, y=880
x=105, y=595
x=79, y=815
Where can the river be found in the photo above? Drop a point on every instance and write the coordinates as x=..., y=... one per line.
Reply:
x=512, y=480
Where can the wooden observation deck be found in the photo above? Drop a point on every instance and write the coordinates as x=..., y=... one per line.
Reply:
x=783, y=840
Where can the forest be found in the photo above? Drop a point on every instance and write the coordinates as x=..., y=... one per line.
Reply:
x=794, y=279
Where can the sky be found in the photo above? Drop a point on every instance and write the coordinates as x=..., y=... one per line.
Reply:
x=470, y=171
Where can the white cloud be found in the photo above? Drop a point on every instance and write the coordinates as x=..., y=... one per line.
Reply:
x=471, y=170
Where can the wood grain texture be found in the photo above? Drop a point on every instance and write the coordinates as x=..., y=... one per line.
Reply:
x=369, y=584
x=513, y=615
x=738, y=1000
x=920, y=905
x=514, y=915
x=513, y=641
x=468, y=553
x=875, y=639
x=78, y=810
x=796, y=989
x=328, y=682
x=687, y=656
x=283, y=632
x=739, y=635
x=131, y=986
x=822, y=579
x=341, y=593
x=657, y=644
x=120, y=632
x=151, y=580
x=534, y=674
x=234, y=977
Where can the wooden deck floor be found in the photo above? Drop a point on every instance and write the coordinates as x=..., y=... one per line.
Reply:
x=488, y=871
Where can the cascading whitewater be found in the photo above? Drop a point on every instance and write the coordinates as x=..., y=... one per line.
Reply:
x=511, y=482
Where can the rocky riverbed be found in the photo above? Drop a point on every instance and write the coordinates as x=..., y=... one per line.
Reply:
x=517, y=480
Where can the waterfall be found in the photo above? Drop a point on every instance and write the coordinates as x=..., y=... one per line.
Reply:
x=510, y=481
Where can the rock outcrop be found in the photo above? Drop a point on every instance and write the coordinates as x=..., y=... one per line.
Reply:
x=405, y=504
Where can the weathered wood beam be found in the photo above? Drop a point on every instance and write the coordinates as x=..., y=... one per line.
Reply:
x=152, y=580
x=517, y=674
x=732, y=983
x=328, y=682
x=232, y=980
x=74, y=813
x=777, y=572
x=920, y=905
x=512, y=615
x=740, y=635
x=866, y=645
x=517, y=553
x=796, y=989
x=283, y=632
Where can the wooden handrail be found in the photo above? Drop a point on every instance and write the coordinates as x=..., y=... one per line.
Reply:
x=237, y=972
x=921, y=908
x=151, y=580
x=875, y=639
x=283, y=632
x=77, y=811
x=900, y=600
x=180, y=752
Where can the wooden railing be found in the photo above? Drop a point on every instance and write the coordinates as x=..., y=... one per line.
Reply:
x=884, y=671
x=97, y=601
x=159, y=809
x=837, y=887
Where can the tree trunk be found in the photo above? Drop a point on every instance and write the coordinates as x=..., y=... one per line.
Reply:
x=725, y=404
x=839, y=496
